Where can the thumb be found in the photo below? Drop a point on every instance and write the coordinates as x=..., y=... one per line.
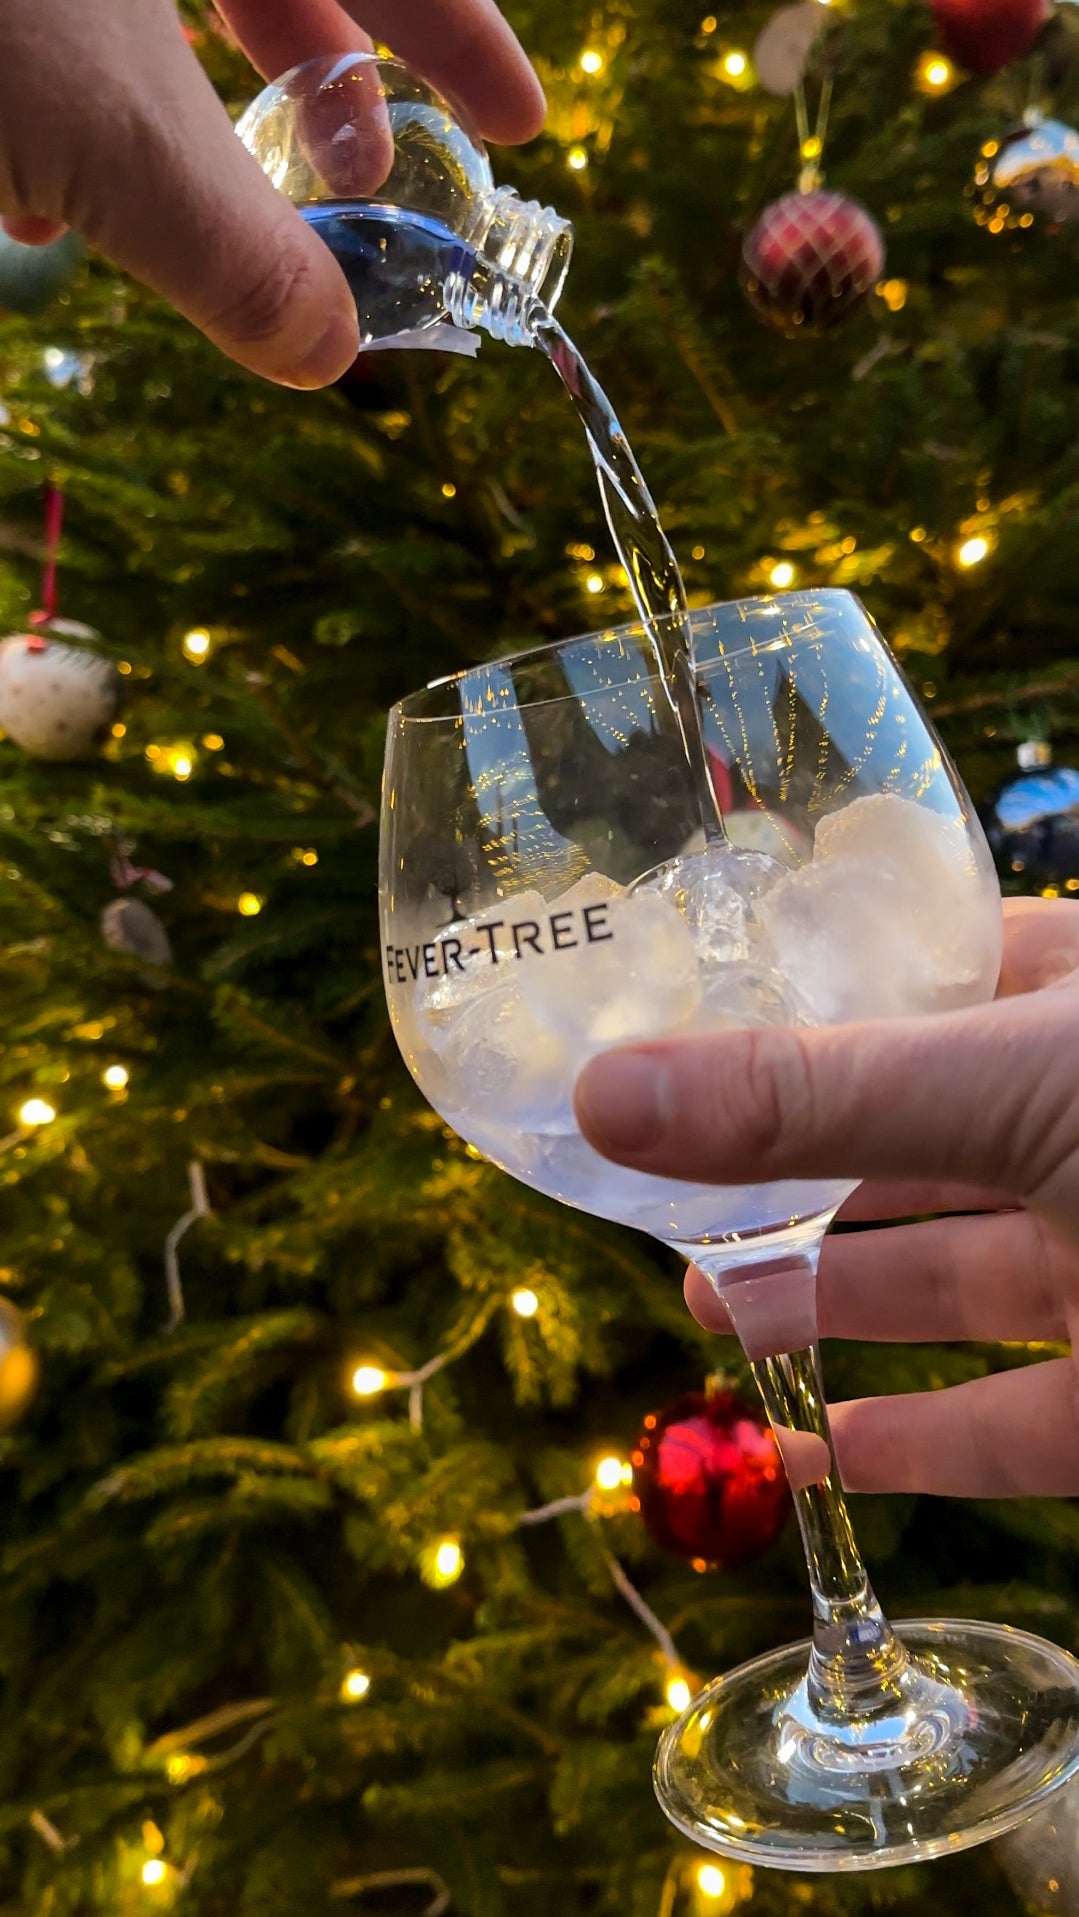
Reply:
x=149, y=170
x=987, y=1097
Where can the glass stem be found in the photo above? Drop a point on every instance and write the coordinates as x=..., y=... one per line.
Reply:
x=857, y=1661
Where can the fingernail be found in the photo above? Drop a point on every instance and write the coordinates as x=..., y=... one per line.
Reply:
x=332, y=354
x=621, y=1102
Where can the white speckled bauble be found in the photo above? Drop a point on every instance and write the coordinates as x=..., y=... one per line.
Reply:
x=56, y=701
x=127, y=925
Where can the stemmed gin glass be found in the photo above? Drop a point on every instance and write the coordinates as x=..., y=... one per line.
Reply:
x=549, y=891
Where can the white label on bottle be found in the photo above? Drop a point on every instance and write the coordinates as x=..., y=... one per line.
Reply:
x=430, y=339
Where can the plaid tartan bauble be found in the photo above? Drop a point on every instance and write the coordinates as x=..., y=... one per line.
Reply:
x=810, y=261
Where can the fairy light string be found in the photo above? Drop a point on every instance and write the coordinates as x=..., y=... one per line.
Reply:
x=398, y=1880
x=612, y=1475
x=369, y=1379
x=198, y=1208
x=587, y=1504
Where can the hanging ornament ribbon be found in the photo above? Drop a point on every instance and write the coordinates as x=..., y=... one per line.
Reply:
x=54, y=520
x=811, y=145
x=124, y=875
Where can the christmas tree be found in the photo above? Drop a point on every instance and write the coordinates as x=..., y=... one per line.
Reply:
x=275, y=1637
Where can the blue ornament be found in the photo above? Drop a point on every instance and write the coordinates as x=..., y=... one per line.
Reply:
x=32, y=276
x=1038, y=168
x=1033, y=823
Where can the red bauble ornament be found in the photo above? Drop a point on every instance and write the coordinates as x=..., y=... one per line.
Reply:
x=985, y=35
x=710, y=1480
x=810, y=261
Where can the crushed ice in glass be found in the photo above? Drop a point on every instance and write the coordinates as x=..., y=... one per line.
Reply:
x=891, y=915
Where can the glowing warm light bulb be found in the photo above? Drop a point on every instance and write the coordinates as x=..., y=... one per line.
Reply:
x=449, y=1561
x=934, y=73
x=36, y=1111
x=594, y=582
x=609, y=1474
x=577, y=159
x=115, y=1077
x=524, y=1302
x=973, y=551
x=356, y=1685
x=782, y=575
x=250, y=904
x=709, y=23
x=734, y=64
x=894, y=294
x=678, y=1694
x=711, y=1881
x=449, y=490
x=154, y=1871
x=196, y=645
x=591, y=61
x=368, y=1380
x=212, y=741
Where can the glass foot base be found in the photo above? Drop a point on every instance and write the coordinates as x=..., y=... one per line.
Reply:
x=986, y=1726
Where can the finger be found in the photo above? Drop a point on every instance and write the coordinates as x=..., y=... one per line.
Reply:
x=327, y=90
x=167, y=191
x=994, y=1278
x=463, y=47
x=985, y=1096
x=1009, y=1436
x=28, y=230
x=1041, y=944
x=806, y=1458
x=899, y=1198
x=277, y=35
x=705, y=1304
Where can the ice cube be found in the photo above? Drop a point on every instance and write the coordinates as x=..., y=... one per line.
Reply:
x=894, y=915
x=594, y=888
x=471, y=956
x=717, y=892
x=502, y=1063
x=494, y=1056
x=749, y=993
x=637, y=979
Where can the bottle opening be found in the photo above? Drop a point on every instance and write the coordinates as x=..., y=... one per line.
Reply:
x=528, y=242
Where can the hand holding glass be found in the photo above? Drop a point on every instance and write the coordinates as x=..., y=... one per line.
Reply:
x=547, y=893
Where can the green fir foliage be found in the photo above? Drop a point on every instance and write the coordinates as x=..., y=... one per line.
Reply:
x=204, y=1528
